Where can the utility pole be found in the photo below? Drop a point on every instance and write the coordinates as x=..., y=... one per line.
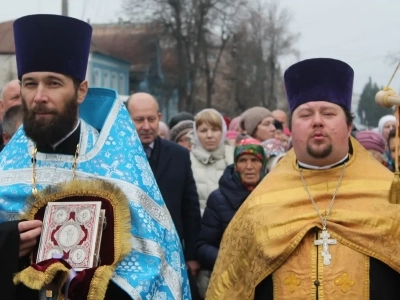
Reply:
x=64, y=7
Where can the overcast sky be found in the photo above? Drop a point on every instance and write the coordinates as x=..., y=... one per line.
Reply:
x=360, y=32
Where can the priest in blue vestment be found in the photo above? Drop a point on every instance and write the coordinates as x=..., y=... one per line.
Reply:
x=80, y=139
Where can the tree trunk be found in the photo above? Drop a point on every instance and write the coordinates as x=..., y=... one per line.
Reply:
x=182, y=64
x=195, y=65
x=272, y=70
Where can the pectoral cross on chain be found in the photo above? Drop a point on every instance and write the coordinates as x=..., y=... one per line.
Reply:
x=325, y=241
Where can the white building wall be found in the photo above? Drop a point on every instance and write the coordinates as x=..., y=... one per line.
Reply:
x=8, y=68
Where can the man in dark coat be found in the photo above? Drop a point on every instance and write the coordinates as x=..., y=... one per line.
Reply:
x=172, y=169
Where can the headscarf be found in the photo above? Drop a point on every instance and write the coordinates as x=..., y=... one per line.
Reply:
x=384, y=120
x=223, y=129
x=252, y=147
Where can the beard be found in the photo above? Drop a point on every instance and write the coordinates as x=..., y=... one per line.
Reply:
x=320, y=153
x=50, y=130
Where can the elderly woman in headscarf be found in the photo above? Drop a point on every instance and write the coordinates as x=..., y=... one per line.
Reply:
x=210, y=155
x=235, y=185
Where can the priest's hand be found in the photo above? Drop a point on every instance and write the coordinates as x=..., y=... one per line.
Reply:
x=28, y=233
x=193, y=266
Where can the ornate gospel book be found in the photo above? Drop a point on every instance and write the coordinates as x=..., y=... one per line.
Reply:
x=72, y=230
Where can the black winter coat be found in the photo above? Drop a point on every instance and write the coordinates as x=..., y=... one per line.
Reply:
x=222, y=205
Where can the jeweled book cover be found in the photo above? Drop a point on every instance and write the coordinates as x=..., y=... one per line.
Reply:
x=71, y=230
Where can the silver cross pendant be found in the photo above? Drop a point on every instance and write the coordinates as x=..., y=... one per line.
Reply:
x=325, y=241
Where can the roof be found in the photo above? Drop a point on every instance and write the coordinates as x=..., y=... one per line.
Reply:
x=7, y=42
x=127, y=42
x=134, y=43
x=97, y=49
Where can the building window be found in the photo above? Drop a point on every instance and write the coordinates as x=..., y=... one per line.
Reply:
x=96, y=78
x=121, y=84
x=106, y=80
x=114, y=81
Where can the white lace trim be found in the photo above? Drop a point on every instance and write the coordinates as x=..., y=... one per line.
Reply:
x=123, y=284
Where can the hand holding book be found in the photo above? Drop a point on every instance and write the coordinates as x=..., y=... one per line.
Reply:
x=29, y=231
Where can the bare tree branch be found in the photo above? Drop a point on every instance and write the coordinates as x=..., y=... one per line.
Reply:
x=220, y=42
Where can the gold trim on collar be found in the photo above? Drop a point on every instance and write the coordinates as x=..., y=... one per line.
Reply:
x=122, y=224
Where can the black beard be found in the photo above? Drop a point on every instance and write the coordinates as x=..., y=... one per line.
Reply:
x=320, y=154
x=50, y=131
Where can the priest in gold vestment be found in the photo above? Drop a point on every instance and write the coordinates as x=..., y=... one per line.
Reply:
x=320, y=225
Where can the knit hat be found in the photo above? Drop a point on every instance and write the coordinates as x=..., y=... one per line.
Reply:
x=182, y=116
x=252, y=117
x=384, y=120
x=180, y=129
x=371, y=140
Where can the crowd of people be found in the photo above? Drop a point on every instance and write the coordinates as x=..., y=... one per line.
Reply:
x=241, y=190
x=230, y=157
x=206, y=165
